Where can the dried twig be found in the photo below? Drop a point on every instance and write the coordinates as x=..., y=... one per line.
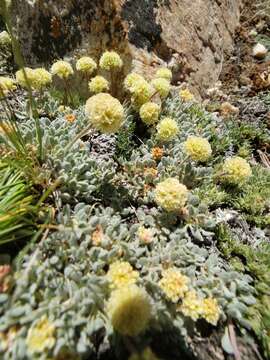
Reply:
x=232, y=336
x=264, y=159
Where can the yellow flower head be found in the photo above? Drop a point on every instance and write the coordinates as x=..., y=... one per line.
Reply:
x=40, y=78
x=105, y=112
x=164, y=73
x=147, y=354
x=110, y=60
x=41, y=336
x=131, y=80
x=98, y=84
x=5, y=38
x=141, y=93
x=86, y=65
x=149, y=113
x=62, y=69
x=171, y=195
x=162, y=86
x=22, y=79
x=167, y=129
x=121, y=274
x=192, y=305
x=174, y=284
x=236, y=170
x=211, y=311
x=197, y=148
x=6, y=85
x=186, y=95
x=129, y=309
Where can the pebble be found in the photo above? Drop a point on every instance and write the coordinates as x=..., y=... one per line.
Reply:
x=259, y=51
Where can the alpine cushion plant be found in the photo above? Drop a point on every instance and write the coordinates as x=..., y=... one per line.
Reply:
x=133, y=250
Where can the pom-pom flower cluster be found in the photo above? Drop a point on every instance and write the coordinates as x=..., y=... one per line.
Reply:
x=98, y=84
x=121, y=274
x=62, y=69
x=164, y=73
x=198, y=148
x=6, y=85
x=35, y=78
x=161, y=86
x=171, y=195
x=130, y=310
x=131, y=80
x=105, y=112
x=149, y=113
x=167, y=129
x=110, y=60
x=40, y=337
x=174, y=284
x=40, y=78
x=186, y=95
x=139, y=88
x=86, y=65
x=236, y=170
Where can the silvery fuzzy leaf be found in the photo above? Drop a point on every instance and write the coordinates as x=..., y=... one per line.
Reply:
x=226, y=343
x=3, y=298
x=248, y=300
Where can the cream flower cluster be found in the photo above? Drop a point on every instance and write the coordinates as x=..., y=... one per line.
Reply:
x=86, y=65
x=161, y=86
x=149, y=113
x=236, y=170
x=35, y=78
x=167, y=129
x=62, y=69
x=24, y=75
x=40, y=78
x=192, y=305
x=110, y=60
x=196, y=307
x=129, y=309
x=6, y=85
x=140, y=90
x=164, y=73
x=105, y=112
x=197, y=148
x=98, y=84
x=171, y=195
x=174, y=284
x=41, y=336
x=186, y=95
x=121, y=274
x=211, y=311
x=131, y=80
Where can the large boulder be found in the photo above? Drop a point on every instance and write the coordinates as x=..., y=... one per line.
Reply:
x=190, y=36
